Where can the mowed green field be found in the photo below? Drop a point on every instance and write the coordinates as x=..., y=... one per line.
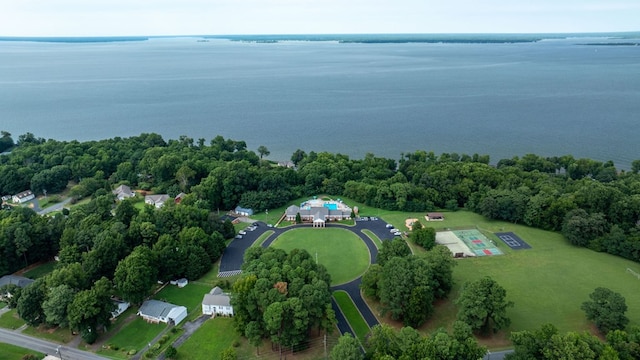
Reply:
x=342, y=252
x=547, y=283
x=11, y=352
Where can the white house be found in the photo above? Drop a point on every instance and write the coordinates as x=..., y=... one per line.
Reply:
x=159, y=311
x=121, y=306
x=23, y=197
x=217, y=302
x=156, y=200
x=243, y=211
x=122, y=192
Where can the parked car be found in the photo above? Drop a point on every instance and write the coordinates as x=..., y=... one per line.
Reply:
x=242, y=232
x=238, y=236
x=389, y=226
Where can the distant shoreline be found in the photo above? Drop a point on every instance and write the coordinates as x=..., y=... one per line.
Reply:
x=493, y=38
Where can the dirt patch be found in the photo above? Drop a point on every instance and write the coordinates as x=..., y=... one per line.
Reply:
x=409, y=222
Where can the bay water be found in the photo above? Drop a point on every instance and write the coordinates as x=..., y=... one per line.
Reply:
x=551, y=97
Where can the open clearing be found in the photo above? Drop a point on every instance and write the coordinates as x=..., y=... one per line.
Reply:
x=342, y=252
x=547, y=283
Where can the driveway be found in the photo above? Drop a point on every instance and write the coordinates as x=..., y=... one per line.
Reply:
x=54, y=207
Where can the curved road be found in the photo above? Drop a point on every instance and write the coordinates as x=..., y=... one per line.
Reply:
x=231, y=262
x=28, y=342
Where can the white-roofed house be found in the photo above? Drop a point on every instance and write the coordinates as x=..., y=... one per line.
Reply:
x=216, y=302
x=23, y=197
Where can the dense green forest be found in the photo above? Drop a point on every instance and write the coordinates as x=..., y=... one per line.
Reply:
x=592, y=203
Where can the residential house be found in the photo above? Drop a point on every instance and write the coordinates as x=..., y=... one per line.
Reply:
x=19, y=281
x=23, y=197
x=156, y=311
x=123, y=192
x=156, y=200
x=243, y=211
x=121, y=306
x=216, y=302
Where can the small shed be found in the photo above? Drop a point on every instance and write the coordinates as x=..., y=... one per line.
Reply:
x=434, y=216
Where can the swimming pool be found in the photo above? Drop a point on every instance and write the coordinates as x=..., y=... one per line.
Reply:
x=331, y=206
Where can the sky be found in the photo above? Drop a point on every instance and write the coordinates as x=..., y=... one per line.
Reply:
x=224, y=17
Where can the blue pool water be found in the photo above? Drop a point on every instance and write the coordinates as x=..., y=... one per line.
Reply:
x=331, y=206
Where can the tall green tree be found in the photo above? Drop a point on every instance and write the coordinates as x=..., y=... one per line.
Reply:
x=606, y=309
x=483, y=305
x=29, y=305
x=136, y=274
x=91, y=310
x=56, y=304
x=347, y=348
x=424, y=236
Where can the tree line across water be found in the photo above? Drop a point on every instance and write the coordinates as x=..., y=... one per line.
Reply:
x=102, y=245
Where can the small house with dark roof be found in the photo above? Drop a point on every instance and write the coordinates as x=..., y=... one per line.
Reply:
x=123, y=192
x=156, y=311
x=434, y=216
x=23, y=197
x=216, y=302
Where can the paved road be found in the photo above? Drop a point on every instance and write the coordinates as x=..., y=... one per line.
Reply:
x=28, y=342
x=54, y=207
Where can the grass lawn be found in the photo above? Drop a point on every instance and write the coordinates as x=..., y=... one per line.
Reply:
x=334, y=248
x=58, y=335
x=352, y=314
x=376, y=240
x=12, y=352
x=189, y=296
x=40, y=271
x=262, y=238
x=135, y=335
x=547, y=283
x=11, y=320
x=210, y=340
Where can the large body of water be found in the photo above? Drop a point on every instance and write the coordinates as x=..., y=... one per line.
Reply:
x=551, y=97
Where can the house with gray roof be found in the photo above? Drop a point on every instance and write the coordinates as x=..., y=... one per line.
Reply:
x=122, y=192
x=216, y=302
x=156, y=311
x=18, y=281
x=315, y=214
x=156, y=200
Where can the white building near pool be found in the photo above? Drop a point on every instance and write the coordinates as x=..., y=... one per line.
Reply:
x=318, y=211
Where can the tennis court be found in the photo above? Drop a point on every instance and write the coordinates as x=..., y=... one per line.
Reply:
x=467, y=243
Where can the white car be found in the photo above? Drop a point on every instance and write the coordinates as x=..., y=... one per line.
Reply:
x=238, y=236
x=242, y=232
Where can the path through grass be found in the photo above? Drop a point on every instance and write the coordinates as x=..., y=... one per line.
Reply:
x=352, y=314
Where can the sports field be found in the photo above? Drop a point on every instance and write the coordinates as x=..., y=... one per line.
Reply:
x=342, y=252
x=478, y=243
x=467, y=243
